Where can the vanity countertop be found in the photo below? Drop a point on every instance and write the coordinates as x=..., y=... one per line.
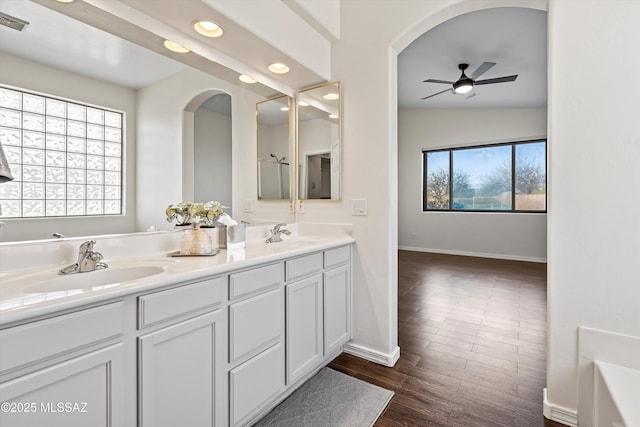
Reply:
x=19, y=301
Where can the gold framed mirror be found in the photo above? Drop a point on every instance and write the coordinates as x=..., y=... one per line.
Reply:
x=273, y=135
x=319, y=142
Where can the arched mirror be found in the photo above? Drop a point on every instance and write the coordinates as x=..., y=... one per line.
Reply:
x=272, y=119
x=319, y=142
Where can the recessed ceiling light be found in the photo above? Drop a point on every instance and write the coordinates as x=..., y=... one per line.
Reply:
x=331, y=96
x=278, y=68
x=284, y=108
x=65, y=1
x=333, y=116
x=246, y=79
x=303, y=104
x=208, y=28
x=175, y=47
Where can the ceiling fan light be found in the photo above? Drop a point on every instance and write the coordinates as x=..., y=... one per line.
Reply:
x=463, y=86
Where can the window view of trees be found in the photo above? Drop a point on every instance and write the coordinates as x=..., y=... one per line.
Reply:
x=503, y=177
x=437, y=188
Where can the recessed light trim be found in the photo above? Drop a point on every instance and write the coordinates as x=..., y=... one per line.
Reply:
x=333, y=116
x=208, y=29
x=278, y=68
x=65, y=1
x=331, y=96
x=175, y=47
x=284, y=108
x=246, y=79
x=303, y=104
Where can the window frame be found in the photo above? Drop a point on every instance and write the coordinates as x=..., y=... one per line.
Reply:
x=513, y=145
x=122, y=158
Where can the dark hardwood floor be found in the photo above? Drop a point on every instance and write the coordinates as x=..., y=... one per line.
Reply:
x=472, y=336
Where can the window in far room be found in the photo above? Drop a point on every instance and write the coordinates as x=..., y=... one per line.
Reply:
x=507, y=177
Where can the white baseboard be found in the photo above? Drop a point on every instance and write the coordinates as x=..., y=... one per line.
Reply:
x=474, y=254
x=558, y=413
x=371, y=355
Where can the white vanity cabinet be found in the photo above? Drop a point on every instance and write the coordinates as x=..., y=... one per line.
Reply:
x=181, y=365
x=64, y=371
x=256, y=340
x=304, y=315
x=217, y=350
x=318, y=309
x=337, y=298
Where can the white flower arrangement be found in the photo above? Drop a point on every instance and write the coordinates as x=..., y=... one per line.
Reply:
x=185, y=213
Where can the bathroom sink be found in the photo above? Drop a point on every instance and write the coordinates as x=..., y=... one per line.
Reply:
x=100, y=278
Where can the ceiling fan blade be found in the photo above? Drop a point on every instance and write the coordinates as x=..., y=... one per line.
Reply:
x=483, y=68
x=437, y=81
x=496, y=80
x=438, y=93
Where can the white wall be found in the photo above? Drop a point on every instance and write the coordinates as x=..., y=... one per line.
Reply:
x=362, y=60
x=160, y=148
x=47, y=80
x=212, y=155
x=594, y=232
x=519, y=236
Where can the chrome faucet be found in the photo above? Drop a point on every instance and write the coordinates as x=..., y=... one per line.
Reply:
x=88, y=260
x=276, y=233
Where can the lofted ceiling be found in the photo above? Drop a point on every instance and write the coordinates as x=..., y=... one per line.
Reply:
x=514, y=38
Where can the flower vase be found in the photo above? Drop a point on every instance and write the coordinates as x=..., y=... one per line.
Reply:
x=196, y=241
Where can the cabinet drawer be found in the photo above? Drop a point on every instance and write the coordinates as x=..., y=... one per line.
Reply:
x=37, y=341
x=159, y=306
x=303, y=266
x=254, y=383
x=253, y=281
x=255, y=324
x=336, y=256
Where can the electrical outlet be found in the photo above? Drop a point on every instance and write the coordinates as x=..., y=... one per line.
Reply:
x=248, y=206
x=291, y=207
x=300, y=206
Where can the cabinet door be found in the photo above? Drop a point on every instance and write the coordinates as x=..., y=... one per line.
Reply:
x=84, y=391
x=337, y=308
x=304, y=326
x=180, y=381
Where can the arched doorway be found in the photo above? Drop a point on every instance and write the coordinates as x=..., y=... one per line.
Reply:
x=207, y=147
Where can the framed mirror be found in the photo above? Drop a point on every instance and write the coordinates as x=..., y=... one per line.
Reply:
x=319, y=142
x=274, y=166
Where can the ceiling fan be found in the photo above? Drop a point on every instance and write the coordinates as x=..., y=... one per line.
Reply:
x=465, y=83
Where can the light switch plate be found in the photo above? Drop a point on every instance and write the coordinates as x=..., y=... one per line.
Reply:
x=248, y=206
x=359, y=207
